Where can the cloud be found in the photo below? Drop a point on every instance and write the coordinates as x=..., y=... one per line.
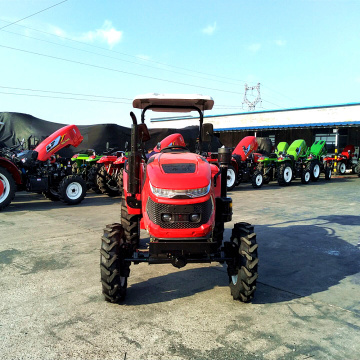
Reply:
x=209, y=30
x=255, y=47
x=107, y=34
x=280, y=42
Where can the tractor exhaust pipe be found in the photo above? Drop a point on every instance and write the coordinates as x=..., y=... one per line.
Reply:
x=224, y=158
x=134, y=159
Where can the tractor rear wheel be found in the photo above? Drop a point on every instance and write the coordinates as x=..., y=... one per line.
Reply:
x=131, y=225
x=72, y=189
x=285, y=174
x=305, y=176
x=314, y=167
x=120, y=180
x=114, y=269
x=341, y=168
x=106, y=183
x=242, y=270
x=92, y=178
x=7, y=188
x=231, y=178
x=257, y=180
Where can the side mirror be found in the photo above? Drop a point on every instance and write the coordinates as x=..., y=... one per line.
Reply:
x=207, y=132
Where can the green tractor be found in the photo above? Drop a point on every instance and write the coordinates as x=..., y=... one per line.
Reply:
x=267, y=166
x=317, y=161
x=86, y=166
x=294, y=164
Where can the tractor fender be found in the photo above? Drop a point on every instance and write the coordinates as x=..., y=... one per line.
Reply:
x=12, y=168
x=107, y=159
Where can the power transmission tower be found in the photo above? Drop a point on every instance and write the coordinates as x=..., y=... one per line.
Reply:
x=251, y=104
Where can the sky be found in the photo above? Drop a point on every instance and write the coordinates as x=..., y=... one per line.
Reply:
x=83, y=61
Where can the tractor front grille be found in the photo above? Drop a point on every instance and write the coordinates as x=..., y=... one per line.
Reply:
x=179, y=213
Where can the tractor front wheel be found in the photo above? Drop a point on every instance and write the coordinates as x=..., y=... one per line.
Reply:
x=242, y=270
x=341, y=168
x=231, y=178
x=285, y=174
x=114, y=269
x=72, y=189
x=305, y=176
x=314, y=167
x=328, y=172
x=7, y=188
x=257, y=180
x=131, y=225
x=92, y=179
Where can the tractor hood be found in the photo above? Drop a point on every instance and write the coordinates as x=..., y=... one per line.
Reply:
x=246, y=147
x=178, y=171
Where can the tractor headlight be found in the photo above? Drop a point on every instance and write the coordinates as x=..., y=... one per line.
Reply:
x=186, y=193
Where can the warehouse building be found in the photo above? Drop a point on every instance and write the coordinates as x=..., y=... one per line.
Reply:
x=337, y=124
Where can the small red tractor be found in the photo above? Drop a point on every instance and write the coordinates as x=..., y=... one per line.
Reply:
x=180, y=199
x=41, y=171
x=346, y=160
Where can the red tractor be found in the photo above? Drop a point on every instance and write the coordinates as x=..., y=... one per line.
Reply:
x=41, y=171
x=345, y=161
x=180, y=199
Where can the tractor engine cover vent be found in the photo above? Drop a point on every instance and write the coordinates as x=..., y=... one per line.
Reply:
x=186, y=168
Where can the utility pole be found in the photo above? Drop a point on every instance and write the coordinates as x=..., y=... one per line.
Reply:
x=251, y=104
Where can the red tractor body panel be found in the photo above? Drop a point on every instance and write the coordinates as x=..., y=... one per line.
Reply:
x=171, y=140
x=245, y=147
x=64, y=137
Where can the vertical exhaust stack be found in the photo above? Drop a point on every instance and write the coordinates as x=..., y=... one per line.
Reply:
x=134, y=159
x=224, y=157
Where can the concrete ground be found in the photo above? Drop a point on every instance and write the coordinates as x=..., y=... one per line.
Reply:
x=306, y=303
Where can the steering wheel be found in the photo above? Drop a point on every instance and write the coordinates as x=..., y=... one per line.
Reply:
x=174, y=147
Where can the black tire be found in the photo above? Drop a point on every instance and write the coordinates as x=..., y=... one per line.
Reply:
x=92, y=178
x=106, y=183
x=357, y=169
x=120, y=180
x=315, y=169
x=257, y=179
x=8, y=188
x=284, y=175
x=131, y=225
x=114, y=269
x=51, y=194
x=341, y=168
x=72, y=189
x=306, y=176
x=231, y=178
x=328, y=172
x=242, y=270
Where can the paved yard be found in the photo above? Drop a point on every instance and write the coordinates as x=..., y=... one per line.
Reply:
x=306, y=304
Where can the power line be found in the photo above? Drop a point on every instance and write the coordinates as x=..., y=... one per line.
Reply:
x=33, y=14
x=115, y=70
x=116, y=58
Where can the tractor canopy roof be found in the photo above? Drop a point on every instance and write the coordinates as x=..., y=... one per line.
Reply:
x=173, y=102
x=282, y=147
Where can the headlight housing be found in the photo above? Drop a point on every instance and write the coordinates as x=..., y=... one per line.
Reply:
x=186, y=193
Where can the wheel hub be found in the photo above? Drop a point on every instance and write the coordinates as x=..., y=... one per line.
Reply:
x=316, y=171
x=230, y=177
x=4, y=187
x=73, y=191
x=258, y=180
x=307, y=177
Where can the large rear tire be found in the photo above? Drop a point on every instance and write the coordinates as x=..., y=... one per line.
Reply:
x=92, y=178
x=72, y=189
x=231, y=178
x=7, y=188
x=242, y=270
x=284, y=174
x=106, y=183
x=328, y=172
x=114, y=269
